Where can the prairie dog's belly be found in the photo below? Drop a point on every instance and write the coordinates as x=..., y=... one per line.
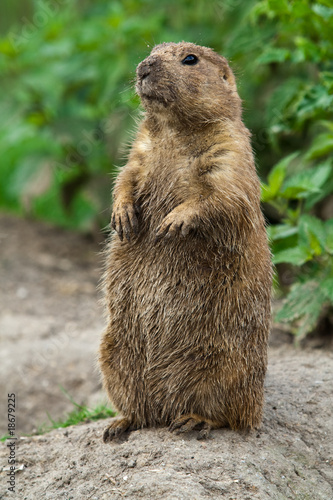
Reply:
x=172, y=270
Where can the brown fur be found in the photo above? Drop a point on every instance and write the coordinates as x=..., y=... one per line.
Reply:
x=188, y=277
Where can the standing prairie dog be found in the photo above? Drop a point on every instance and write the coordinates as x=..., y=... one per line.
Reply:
x=188, y=272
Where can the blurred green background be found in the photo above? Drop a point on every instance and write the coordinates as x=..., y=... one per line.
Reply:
x=68, y=109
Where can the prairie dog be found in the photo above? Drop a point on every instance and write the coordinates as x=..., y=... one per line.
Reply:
x=188, y=271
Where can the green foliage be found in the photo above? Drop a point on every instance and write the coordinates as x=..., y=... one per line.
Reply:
x=61, y=79
x=304, y=305
x=68, y=102
x=303, y=118
x=79, y=415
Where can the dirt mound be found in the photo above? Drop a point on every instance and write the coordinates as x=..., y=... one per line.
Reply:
x=289, y=457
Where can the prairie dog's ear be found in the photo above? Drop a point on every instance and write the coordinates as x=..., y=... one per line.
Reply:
x=227, y=74
x=224, y=68
x=224, y=74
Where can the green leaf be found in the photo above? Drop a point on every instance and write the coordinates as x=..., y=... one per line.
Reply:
x=302, y=306
x=309, y=50
x=329, y=235
x=320, y=174
x=273, y=54
x=327, y=288
x=312, y=233
x=285, y=93
x=276, y=177
x=282, y=231
x=278, y=173
x=266, y=194
x=323, y=11
x=296, y=256
x=326, y=123
x=301, y=10
x=307, y=182
x=279, y=6
x=299, y=192
x=327, y=79
x=325, y=190
x=322, y=145
x=314, y=102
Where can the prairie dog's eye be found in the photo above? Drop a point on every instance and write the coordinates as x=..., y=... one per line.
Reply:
x=191, y=59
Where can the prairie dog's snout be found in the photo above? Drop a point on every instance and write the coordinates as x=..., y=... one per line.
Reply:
x=153, y=83
x=146, y=67
x=148, y=78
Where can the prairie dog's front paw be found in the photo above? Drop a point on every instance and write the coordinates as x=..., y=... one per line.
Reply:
x=177, y=222
x=124, y=219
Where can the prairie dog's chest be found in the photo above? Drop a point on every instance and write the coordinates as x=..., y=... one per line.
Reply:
x=166, y=165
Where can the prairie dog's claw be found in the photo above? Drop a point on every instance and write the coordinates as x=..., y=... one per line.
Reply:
x=124, y=220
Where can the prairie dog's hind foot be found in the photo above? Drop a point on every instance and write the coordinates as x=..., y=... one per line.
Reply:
x=117, y=428
x=193, y=422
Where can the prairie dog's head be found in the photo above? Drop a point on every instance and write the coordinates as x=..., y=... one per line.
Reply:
x=193, y=83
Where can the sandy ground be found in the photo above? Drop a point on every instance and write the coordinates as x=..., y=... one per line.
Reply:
x=50, y=324
x=50, y=320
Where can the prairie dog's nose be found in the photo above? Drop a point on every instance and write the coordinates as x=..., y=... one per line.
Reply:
x=145, y=67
